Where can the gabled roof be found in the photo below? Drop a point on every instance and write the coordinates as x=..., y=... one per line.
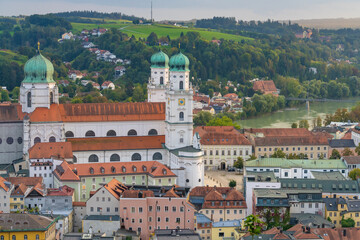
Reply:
x=352, y=159
x=265, y=86
x=117, y=143
x=221, y=135
x=99, y=112
x=338, y=233
x=37, y=190
x=61, y=150
x=19, y=190
x=11, y=222
x=61, y=191
x=3, y=185
x=73, y=172
x=27, y=181
x=106, y=83
x=116, y=188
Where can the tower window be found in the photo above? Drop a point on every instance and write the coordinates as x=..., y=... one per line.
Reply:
x=136, y=157
x=132, y=132
x=29, y=99
x=69, y=134
x=90, y=134
x=161, y=80
x=111, y=133
x=152, y=132
x=52, y=139
x=181, y=116
x=181, y=85
x=51, y=98
x=37, y=140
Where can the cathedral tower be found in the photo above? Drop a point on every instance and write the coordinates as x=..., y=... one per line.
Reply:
x=38, y=89
x=159, y=77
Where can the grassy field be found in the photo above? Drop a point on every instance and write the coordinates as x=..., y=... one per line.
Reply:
x=8, y=55
x=143, y=31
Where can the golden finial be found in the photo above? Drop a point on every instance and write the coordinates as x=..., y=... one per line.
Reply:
x=39, y=46
x=179, y=45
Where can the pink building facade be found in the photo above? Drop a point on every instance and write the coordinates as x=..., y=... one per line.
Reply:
x=147, y=214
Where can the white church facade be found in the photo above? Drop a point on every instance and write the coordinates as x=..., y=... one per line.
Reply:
x=160, y=129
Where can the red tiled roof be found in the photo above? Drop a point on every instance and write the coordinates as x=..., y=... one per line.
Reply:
x=61, y=191
x=47, y=150
x=347, y=135
x=19, y=190
x=281, y=236
x=171, y=193
x=281, y=132
x=106, y=83
x=28, y=181
x=11, y=112
x=338, y=233
x=265, y=86
x=231, y=95
x=2, y=184
x=66, y=172
x=116, y=188
x=291, y=141
x=221, y=135
x=79, y=204
x=100, y=112
x=201, y=98
x=117, y=143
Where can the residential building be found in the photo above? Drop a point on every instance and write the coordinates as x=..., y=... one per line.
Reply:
x=266, y=87
x=340, y=208
x=45, y=157
x=108, y=85
x=119, y=71
x=79, y=213
x=256, y=180
x=67, y=36
x=58, y=199
x=340, y=145
x=178, y=234
x=311, y=220
x=107, y=224
x=26, y=226
x=88, y=177
x=35, y=198
x=290, y=140
x=17, y=197
x=219, y=203
x=351, y=162
x=299, y=200
x=203, y=226
x=330, y=188
x=222, y=145
x=105, y=201
x=296, y=168
x=6, y=189
x=145, y=212
x=225, y=229
x=268, y=200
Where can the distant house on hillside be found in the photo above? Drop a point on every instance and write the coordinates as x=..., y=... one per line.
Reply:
x=108, y=85
x=266, y=87
x=119, y=71
x=67, y=36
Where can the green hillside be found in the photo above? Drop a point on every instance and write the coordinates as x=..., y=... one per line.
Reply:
x=161, y=30
x=10, y=56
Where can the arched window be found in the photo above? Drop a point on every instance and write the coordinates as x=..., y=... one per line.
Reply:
x=181, y=85
x=51, y=98
x=37, y=236
x=93, y=158
x=69, y=134
x=152, y=132
x=37, y=140
x=29, y=99
x=2, y=237
x=90, y=134
x=157, y=156
x=181, y=116
x=25, y=237
x=111, y=133
x=136, y=157
x=13, y=237
x=115, y=158
x=74, y=159
x=132, y=132
x=52, y=139
x=161, y=80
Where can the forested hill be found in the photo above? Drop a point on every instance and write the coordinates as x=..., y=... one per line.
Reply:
x=324, y=66
x=100, y=15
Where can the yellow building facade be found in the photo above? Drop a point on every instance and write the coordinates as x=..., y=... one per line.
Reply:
x=338, y=208
x=225, y=229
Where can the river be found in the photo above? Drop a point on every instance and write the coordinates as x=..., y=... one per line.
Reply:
x=284, y=118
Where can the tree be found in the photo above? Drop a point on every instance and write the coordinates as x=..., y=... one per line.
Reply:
x=335, y=154
x=253, y=224
x=224, y=121
x=354, y=174
x=252, y=157
x=232, y=183
x=347, y=152
x=347, y=222
x=202, y=118
x=357, y=149
x=304, y=124
x=152, y=39
x=294, y=125
x=239, y=163
x=278, y=154
x=318, y=122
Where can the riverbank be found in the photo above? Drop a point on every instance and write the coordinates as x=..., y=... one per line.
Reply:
x=285, y=117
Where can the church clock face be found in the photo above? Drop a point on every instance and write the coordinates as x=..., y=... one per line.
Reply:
x=181, y=101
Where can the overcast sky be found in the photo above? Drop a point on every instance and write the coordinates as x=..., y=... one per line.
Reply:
x=190, y=9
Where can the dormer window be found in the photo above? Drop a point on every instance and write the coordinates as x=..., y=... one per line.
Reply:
x=91, y=171
x=102, y=170
x=123, y=169
x=113, y=169
x=164, y=171
x=134, y=169
x=144, y=168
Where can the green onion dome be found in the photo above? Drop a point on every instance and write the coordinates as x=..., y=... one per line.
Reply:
x=38, y=69
x=160, y=60
x=179, y=62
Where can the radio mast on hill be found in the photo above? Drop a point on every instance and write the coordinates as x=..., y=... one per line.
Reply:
x=151, y=13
